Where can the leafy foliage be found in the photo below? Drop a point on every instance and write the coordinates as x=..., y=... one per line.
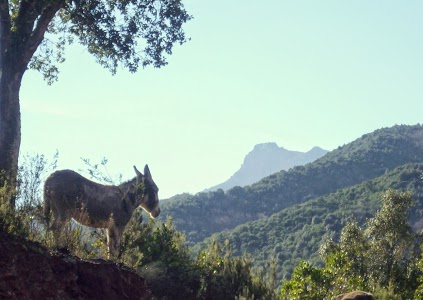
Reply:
x=380, y=257
x=111, y=30
x=307, y=282
x=225, y=276
x=392, y=242
x=135, y=33
x=159, y=254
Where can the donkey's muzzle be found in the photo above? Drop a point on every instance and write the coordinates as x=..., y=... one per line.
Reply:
x=155, y=213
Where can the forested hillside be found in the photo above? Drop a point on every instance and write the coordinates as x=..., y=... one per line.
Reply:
x=368, y=157
x=296, y=232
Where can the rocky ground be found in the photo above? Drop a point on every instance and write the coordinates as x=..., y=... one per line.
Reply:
x=29, y=271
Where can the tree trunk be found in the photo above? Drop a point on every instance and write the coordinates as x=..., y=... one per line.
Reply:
x=10, y=127
x=17, y=46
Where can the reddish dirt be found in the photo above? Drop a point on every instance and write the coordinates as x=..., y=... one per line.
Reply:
x=29, y=271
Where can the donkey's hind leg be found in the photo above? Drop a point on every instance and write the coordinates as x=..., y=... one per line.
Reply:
x=57, y=228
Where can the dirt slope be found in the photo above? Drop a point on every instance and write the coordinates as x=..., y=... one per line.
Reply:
x=29, y=271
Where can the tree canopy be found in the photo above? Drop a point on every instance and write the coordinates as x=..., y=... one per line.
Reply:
x=133, y=32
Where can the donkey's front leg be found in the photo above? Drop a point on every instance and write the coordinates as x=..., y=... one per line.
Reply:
x=114, y=235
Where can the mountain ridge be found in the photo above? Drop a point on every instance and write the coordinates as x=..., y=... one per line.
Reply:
x=264, y=160
x=368, y=157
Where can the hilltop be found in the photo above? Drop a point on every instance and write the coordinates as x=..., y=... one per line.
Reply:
x=266, y=159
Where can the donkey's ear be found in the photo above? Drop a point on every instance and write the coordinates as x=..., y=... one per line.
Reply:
x=147, y=171
x=137, y=172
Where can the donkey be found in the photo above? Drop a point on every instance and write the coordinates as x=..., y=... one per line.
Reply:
x=355, y=295
x=69, y=195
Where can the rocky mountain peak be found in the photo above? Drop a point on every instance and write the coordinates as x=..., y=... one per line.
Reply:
x=266, y=159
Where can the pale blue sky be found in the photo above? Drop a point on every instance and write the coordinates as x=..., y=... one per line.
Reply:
x=298, y=73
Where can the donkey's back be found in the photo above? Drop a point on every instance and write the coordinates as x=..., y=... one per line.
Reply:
x=69, y=195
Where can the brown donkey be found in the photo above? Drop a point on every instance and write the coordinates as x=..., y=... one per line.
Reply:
x=69, y=195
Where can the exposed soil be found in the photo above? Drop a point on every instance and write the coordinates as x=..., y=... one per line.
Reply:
x=29, y=271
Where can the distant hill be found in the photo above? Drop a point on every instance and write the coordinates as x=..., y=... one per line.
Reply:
x=266, y=159
x=368, y=157
x=297, y=232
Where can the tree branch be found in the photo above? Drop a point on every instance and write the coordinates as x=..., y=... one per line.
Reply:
x=41, y=26
x=26, y=17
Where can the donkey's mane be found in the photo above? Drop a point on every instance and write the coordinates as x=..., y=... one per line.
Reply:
x=128, y=183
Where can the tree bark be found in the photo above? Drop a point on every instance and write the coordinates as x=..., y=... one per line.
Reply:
x=10, y=120
x=10, y=125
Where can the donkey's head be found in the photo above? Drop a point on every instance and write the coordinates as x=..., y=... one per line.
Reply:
x=149, y=193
